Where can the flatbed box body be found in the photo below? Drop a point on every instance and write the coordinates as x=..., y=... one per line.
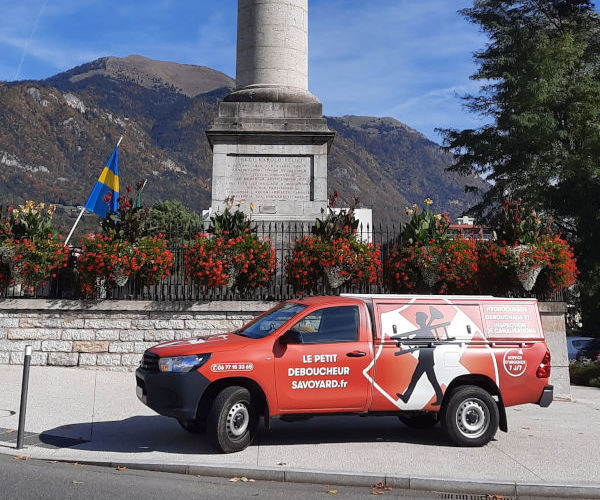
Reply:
x=361, y=354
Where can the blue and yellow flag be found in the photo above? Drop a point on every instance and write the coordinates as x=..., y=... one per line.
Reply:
x=105, y=196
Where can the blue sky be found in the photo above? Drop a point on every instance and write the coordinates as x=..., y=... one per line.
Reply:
x=408, y=59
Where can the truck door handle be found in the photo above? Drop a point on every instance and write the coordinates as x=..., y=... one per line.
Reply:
x=356, y=354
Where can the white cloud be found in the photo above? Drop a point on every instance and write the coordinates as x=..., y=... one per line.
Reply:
x=58, y=56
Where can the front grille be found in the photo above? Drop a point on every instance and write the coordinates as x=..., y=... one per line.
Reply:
x=149, y=362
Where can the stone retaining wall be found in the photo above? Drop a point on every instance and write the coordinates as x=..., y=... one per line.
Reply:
x=113, y=335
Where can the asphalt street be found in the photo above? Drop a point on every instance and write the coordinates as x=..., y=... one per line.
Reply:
x=42, y=479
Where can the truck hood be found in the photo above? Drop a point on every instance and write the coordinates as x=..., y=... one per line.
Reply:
x=200, y=345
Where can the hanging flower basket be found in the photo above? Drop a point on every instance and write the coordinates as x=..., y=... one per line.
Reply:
x=334, y=276
x=234, y=272
x=7, y=257
x=430, y=263
x=121, y=277
x=244, y=262
x=528, y=276
x=530, y=264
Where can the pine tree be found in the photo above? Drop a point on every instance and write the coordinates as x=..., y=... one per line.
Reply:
x=540, y=75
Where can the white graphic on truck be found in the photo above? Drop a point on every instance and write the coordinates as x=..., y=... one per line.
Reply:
x=319, y=371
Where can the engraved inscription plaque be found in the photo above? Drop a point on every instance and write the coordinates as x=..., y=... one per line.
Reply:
x=256, y=178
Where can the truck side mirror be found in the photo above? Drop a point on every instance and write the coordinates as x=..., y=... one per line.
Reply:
x=291, y=337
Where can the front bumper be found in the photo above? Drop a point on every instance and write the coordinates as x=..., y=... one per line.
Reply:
x=547, y=396
x=171, y=394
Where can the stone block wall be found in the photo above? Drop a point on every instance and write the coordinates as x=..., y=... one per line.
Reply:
x=109, y=335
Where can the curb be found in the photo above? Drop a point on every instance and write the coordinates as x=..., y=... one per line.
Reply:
x=489, y=489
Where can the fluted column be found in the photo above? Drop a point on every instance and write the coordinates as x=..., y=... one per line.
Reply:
x=272, y=51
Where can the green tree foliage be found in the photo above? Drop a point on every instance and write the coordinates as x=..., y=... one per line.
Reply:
x=540, y=76
x=172, y=214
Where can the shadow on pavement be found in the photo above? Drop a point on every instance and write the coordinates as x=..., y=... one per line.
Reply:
x=350, y=429
x=143, y=434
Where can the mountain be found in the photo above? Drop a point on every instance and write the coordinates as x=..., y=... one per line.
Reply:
x=56, y=134
x=186, y=79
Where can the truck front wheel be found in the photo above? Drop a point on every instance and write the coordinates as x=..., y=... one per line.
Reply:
x=232, y=420
x=470, y=418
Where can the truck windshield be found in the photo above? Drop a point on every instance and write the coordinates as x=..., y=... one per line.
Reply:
x=268, y=322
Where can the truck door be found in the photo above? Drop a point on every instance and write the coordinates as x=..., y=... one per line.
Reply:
x=324, y=372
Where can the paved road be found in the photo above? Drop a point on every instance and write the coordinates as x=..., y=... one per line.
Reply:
x=39, y=479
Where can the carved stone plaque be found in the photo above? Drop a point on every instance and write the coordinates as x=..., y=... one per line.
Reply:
x=256, y=178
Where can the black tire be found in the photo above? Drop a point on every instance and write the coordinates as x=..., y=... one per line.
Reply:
x=193, y=426
x=470, y=417
x=420, y=420
x=232, y=420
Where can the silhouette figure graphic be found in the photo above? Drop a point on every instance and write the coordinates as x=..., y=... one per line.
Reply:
x=426, y=358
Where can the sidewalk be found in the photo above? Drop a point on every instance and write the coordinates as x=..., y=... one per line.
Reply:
x=94, y=416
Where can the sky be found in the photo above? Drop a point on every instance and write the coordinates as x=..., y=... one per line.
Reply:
x=407, y=59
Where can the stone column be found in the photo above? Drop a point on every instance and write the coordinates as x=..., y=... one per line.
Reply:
x=272, y=51
x=554, y=325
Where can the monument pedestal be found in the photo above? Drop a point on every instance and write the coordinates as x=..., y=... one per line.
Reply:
x=272, y=155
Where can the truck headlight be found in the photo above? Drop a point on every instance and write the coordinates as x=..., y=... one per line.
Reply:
x=182, y=364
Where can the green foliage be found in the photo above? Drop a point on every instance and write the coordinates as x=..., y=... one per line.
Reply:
x=130, y=221
x=424, y=226
x=513, y=223
x=231, y=224
x=540, y=75
x=585, y=373
x=31, y=221
x=165, y=215
x=336, y=224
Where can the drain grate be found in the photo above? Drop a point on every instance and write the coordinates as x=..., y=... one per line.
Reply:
x=467, y=496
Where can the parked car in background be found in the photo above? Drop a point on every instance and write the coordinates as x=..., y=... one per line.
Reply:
x=575, y=346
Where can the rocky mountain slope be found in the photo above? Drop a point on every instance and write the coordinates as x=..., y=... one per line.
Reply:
x=56, y=134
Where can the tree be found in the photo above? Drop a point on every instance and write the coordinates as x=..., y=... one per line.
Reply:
x=540, y=75
x=172, y=215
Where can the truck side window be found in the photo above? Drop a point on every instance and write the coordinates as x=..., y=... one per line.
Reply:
x=333, y=324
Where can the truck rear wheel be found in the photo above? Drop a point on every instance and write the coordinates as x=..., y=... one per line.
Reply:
x=470, y=418
x=232, y=420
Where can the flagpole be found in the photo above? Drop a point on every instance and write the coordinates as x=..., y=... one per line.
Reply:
x=83, y=210
x=75, y=225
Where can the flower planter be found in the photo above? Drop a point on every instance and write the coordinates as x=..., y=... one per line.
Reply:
x=334, y=276
x=527, y=272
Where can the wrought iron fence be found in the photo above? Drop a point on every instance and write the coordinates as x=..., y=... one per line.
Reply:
x=177, y=287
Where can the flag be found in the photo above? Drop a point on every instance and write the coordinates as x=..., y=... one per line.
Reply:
x=105, y=195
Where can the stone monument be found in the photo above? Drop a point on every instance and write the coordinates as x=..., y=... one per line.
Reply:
x=270, y=141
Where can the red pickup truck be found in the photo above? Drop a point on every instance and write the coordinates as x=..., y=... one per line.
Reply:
x=459, y=361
